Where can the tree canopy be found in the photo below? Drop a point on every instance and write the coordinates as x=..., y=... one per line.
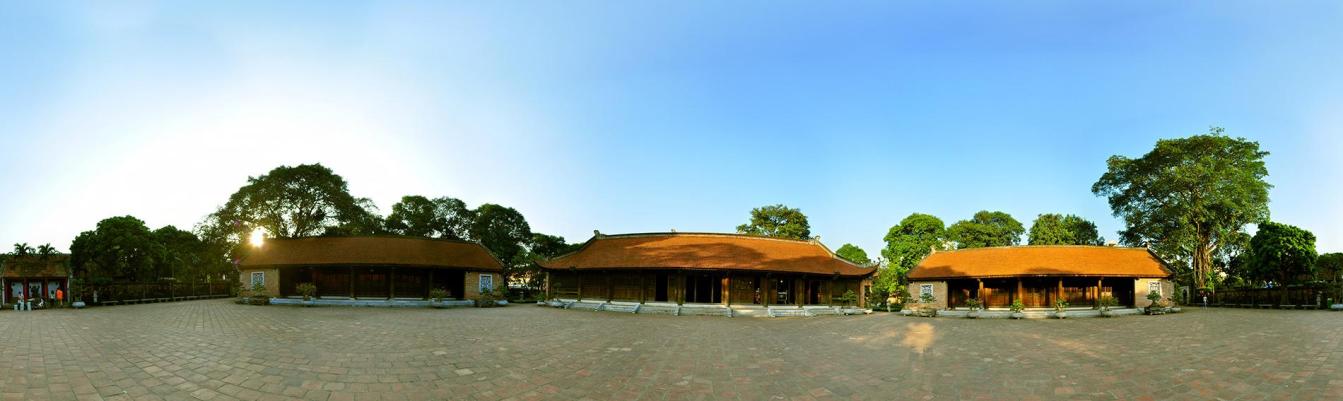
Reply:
x=910, y=241
x=1057, y=229
x=419, y=216
x=853, y=253
x=1282, y=253
x=1329, y=267
x=120, y=248
x=505, y=233
x=288, y=202
x=986, y=229
x=1188, y=198
x=777, y=221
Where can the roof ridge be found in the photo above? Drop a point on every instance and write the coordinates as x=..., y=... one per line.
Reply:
x=389, y=236
x=1042, y=246
x=706, y=234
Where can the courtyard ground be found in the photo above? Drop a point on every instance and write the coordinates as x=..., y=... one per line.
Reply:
x=217, y=350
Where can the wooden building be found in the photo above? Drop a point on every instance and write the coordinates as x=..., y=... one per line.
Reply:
x=705, y=268
x=35, y=276
x=374, y=267
x=1040, y=275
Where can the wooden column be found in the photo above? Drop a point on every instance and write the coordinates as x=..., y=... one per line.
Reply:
x=1060, y=292
x=1098, y=292
x=680, y=289
x=391, y=283
x=549, y=282
x=642, y=286
x=1021, y=291
x=764, y=289
x=610, y=287
x=727, y=289
x=352, y=282
x=579, y=277
x=980, y=294
x=831, y=296
x=799, y=287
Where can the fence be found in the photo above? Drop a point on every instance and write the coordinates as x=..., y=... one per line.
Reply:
x=131, y=293
x=1305, y=297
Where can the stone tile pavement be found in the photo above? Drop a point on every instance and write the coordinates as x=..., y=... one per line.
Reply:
x=216, y=350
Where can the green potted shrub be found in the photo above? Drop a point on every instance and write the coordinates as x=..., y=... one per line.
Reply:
x=309, y=293
x=1017, y=308
x=1106, y=303
x=926, y=308
x=1172, y=306
x=974, y=305
x=259, y=295
x=1155, y=307
x=436, y=297
x=1060, y=309
x=848, y=299
x=486, y=299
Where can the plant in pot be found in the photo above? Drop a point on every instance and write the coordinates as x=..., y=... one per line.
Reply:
x=974, y=305
x=1017, y=308
x=1154, y=308
x=1060, y=307
x=848, y=299
x=1106, y=303
x=309, y=293
x=436, y=297
x=1172, y=306
x=926, y=308
x=258, y=296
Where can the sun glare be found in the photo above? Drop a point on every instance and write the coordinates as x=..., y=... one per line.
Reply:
x=257, y=238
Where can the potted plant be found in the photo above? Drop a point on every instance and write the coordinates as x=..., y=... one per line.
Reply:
x=436, y=297
x=1017, y=308
x=974, y=305
x=1059, y=309
x=1334, y=306
x=1155, y=307
x=309, y=293
x=926, y=307
x=1172, y=306
x=258, y=296
x=848, y=299
x=1106, y=303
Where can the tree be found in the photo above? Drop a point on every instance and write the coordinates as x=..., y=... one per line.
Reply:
x=1283, y=253
x=438, y=218
x=23, y=249
x=45, y=251
x=504, y=232
x=184, y=256
x=1329, y=267
x=301, y=201
x=853, y=254
x=777, y=221
x=910, y=241
x=120, y=248
x=986, y=229
x=1188, y=198
x=549, y=246
x=1057, y=229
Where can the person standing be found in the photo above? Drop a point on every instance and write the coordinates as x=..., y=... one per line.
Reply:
x=60, y=298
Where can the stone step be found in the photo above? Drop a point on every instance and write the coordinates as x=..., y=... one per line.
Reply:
x=750, y=311
x=586, y=305
x=622, y=308
x=823, y=311
x=655, y=309
x=789, y=312
x=705, y=311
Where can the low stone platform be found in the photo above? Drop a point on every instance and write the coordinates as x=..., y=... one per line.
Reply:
x=379, y=303
x=1033, y=313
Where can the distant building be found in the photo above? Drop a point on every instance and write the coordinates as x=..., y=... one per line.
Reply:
x=35, y=276
x=1040, y=275
x=374, y=267
x=705, y=268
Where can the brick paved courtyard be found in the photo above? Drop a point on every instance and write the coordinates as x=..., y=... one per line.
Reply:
x=216, y=350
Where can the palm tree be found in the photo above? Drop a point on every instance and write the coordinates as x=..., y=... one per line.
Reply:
x=22, y=249
x=46, y=251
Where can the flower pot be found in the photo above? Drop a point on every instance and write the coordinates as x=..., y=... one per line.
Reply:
x=309, y=302
x=78, y=304
x=1336, y=307
x=437, y=304
x=908, y=312
x=1061, y=314
x=1018, y=315
x=501, y=302
x=1175, y=310
x=1107, y=313
x=973, y=314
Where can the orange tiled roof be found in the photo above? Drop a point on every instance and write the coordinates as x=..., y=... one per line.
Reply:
x=34, y=266
x=1049, y=260
x=705, y=251
x=381, y=250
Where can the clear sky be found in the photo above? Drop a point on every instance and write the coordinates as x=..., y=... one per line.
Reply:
x=647, y=116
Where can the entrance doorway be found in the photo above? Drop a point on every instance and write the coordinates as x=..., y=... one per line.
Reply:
x=783, y=291
x=660, y=287
x=703, y=288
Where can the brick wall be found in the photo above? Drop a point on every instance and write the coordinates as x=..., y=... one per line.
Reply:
x=272, y=280
x=1141, y=286
x=939, y=292
x=473, y=282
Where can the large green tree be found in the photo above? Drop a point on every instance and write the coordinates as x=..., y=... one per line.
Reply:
x=505, y=233
x=120, y=248
x=986, y=229
x=435, y=218
x=287, y=202
x=777, y=221
x=1329, y=267
x=909, y=242
x=1057, y=229
x=1188, y=198
x=853, y=253
x=186, y=258
x=1283, y=253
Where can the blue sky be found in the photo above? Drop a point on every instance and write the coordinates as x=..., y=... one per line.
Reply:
x=648, y=116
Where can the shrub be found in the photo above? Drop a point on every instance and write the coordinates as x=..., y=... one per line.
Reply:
x=1017, y=306
x=258, y=295
x=927, y=298
x=437, y=294
x=849, y=297
x=973, y=304
x=1152, y=296
x=1108, y=302
x=1060, y=305
x=486, y=299
x=307, y=290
